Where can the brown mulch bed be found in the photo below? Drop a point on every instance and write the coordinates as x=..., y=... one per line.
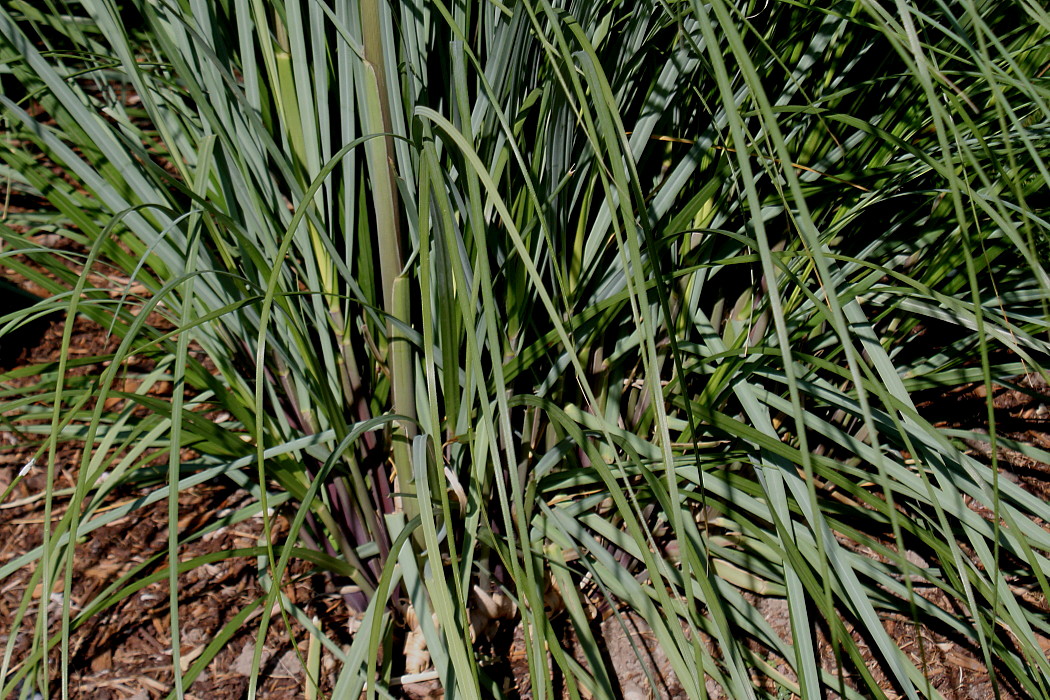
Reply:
x=125, y=652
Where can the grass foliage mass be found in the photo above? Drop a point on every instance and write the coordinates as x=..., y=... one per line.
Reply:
x=620, y=304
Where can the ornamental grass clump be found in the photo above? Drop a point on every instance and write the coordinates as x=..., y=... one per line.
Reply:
x=543, y=312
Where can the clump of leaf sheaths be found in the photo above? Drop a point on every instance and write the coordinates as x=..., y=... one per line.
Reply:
x=613, y=305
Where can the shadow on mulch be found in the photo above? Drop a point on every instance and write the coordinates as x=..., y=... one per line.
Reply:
x=14, y=346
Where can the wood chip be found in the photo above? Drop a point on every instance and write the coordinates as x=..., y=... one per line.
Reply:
x=961, y=661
